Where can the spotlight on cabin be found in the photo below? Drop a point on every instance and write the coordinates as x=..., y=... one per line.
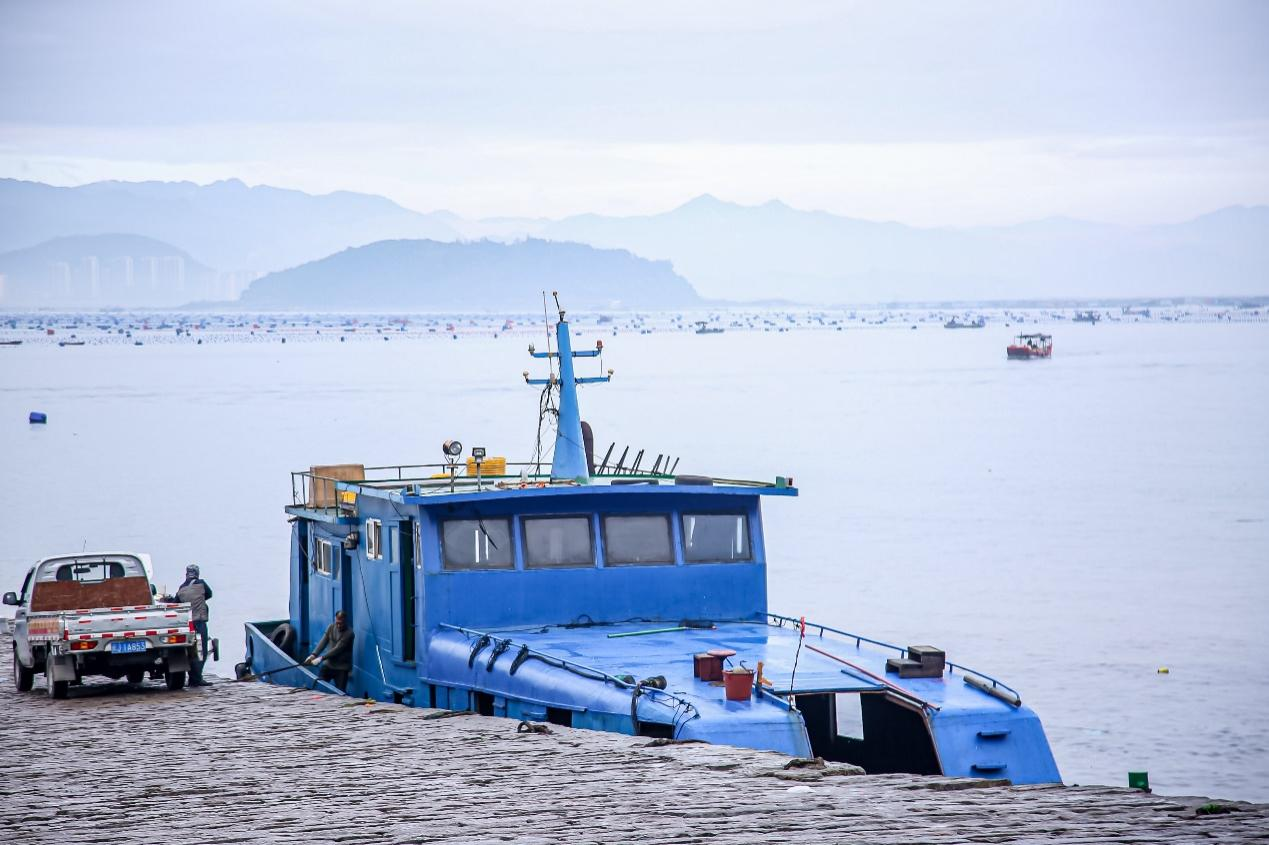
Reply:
x=452, y=448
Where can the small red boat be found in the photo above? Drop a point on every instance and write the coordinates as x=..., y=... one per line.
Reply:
x=1031, y=346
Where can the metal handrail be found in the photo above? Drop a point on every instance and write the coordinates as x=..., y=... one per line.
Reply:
x=301, y=480
x=859, y=638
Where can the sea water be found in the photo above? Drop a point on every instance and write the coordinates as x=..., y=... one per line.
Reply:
x=1071, y=526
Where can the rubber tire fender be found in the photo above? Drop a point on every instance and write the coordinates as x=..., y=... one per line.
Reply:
x=283, y=637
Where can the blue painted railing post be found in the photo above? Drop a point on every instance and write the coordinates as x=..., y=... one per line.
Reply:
x=570, y=453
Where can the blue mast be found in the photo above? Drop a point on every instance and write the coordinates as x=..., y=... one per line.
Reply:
x=569, y=462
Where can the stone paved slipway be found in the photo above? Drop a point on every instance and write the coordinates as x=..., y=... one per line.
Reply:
x=251, y=762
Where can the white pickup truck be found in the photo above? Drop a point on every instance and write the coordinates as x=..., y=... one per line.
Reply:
x=95, y=614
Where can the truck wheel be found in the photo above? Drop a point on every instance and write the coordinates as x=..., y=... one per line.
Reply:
x=23, y=677
x=56, y=689
x=175, y=680
x=136, y=676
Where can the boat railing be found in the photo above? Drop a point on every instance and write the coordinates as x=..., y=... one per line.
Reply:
x=445, y=477
x=858, y=638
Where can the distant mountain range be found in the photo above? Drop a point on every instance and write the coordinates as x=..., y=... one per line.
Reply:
x=753, y=252
x=226, y=225
x=427, y=275
x=727, y=251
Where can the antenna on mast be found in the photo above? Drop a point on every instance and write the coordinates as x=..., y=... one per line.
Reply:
x=569, y=461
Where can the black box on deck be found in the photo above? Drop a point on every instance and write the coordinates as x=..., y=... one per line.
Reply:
x=923, y=661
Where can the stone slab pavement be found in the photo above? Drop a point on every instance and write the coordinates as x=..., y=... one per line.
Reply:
x=253, y=762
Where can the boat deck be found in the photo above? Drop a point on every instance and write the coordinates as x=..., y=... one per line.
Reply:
x=819, y=665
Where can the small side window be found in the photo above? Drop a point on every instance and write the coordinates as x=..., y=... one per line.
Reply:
x=374, y=539
x=476, y=544
x=558, y=542
x=715, y=537
x=637, y=540
x=324, y=557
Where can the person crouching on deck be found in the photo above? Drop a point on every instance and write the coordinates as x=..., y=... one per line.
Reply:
x=337, y=661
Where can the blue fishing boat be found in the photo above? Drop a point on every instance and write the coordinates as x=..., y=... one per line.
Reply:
x=611, y=596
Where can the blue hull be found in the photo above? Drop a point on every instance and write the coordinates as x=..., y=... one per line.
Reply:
x=586, y=678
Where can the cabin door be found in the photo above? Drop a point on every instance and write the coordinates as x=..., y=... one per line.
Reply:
x=403, y=601
x=341, y=587
x=302, y=566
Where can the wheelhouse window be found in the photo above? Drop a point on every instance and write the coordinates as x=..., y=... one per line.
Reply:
x=374, y=539
x=558, y=542
x=476, y=544
x=324, y=557
x=716, y=537
x=637, y=540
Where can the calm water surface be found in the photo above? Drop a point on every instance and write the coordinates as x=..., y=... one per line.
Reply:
x=1069, y=525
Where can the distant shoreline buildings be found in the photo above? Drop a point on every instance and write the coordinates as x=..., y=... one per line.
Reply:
x=102, y=281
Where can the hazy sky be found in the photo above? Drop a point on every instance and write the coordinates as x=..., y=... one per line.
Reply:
x=929, y=113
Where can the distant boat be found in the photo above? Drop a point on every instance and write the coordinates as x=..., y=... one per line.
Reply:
x=703, y=327
x=1086, y=317
x=71, y=343
x=957, y=324
x=1027, y=346
x=10, y=343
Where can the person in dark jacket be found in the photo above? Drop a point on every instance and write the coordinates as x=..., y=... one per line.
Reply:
x=337, y=661
x=195, y=592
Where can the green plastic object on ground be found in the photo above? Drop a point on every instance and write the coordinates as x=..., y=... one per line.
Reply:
x=650, y=631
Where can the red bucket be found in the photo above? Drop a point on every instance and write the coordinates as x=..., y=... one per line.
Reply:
x=738, y=684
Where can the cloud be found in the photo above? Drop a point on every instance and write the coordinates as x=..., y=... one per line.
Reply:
x=929, y=113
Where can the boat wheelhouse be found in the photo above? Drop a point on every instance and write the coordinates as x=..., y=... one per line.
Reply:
x=612, y=598
x=1026, y=346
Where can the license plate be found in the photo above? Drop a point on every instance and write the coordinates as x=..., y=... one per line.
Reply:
x=130, y=647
